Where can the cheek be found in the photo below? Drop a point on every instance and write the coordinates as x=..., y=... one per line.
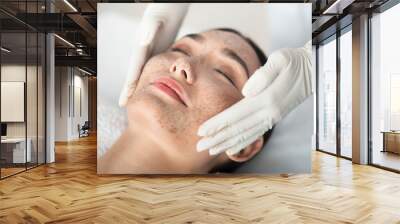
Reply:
x=214, y=96
x=211, y=97
x=156, y=66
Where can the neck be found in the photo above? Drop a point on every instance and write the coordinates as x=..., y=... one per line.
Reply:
x=137, y=153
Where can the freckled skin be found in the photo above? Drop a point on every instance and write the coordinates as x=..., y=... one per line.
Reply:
x=171, y=123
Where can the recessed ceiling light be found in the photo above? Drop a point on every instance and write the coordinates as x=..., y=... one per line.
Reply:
x=84, y=71
x=70, y=5
x=65, y=41
x=5, y=50
x=337, y=7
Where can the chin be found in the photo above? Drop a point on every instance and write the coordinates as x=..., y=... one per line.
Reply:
x=163, y=121
x=154, y=113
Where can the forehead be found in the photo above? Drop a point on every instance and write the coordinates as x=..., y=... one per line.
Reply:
x=218, y=40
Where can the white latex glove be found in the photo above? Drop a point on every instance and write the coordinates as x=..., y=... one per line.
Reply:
x=157, y=31
x=271, y=92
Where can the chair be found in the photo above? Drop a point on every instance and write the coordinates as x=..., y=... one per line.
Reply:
x=84, y=130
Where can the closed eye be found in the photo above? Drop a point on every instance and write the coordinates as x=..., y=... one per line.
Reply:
x=180, y=51
x=225, y=75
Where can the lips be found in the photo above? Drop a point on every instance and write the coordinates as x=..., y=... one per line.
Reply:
x=172, y=88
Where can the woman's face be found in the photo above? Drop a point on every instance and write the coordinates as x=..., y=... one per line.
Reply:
x=199, y=76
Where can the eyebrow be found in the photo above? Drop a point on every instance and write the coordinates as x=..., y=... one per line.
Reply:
x=227, y=52
x=232, y=55
x=196, y=37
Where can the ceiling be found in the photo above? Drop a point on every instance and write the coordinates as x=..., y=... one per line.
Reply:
x=329, y=16
x=76, y=22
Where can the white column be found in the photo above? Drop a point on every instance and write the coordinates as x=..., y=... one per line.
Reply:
x=50, y=110
x=360, y=90
x=50, y=92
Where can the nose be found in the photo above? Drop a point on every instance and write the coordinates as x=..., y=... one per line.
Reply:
x=183, y=69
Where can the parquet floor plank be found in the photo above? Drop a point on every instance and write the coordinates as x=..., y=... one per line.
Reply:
x=70, y=191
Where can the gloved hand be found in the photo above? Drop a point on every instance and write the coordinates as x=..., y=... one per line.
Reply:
x=270, y=93
x=157, y=31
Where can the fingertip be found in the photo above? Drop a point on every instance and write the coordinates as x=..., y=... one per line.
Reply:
x=201, y=131
x=248, y=88
x=214, y=152
x=254, y=85
x=249, y=93
x=204, y=130
x=231, y=152
x=123, y=97
x=201, y=146
x=199, y=149
x=211, y=152
x=122, y=101
x=246, y=91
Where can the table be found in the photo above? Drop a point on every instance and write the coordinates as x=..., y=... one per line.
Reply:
x=391, y=141
x=18, y=151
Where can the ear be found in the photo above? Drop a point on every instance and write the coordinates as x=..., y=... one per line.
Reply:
x=248, y=152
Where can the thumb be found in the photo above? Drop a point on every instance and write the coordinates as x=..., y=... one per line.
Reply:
x=260, y=80
x=266, y=74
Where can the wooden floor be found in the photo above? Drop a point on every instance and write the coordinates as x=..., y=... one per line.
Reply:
x=387, y=159
x=11, y=170
x=8, y=171
x=69, y=191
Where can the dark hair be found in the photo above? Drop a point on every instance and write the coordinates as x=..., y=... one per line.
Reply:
x=231, y=166
x=260, y=54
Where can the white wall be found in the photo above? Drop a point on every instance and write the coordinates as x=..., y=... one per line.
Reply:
x=33, y=126
x=15, y=72
x=61, y=103
x=80, y=83
x=68, y=83
x=11, y=110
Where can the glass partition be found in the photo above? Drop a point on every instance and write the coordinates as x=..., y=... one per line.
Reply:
x=327, y=96
x=385, y=89
x=22, y=77
x=41, y=108
x=31, y=100
x=13, y=104
x=346, y=93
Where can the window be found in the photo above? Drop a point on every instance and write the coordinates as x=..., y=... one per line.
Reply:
x=346, y=93
x=327, y=96
x=334, y=106
x=395, y=102
x=385, y=89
